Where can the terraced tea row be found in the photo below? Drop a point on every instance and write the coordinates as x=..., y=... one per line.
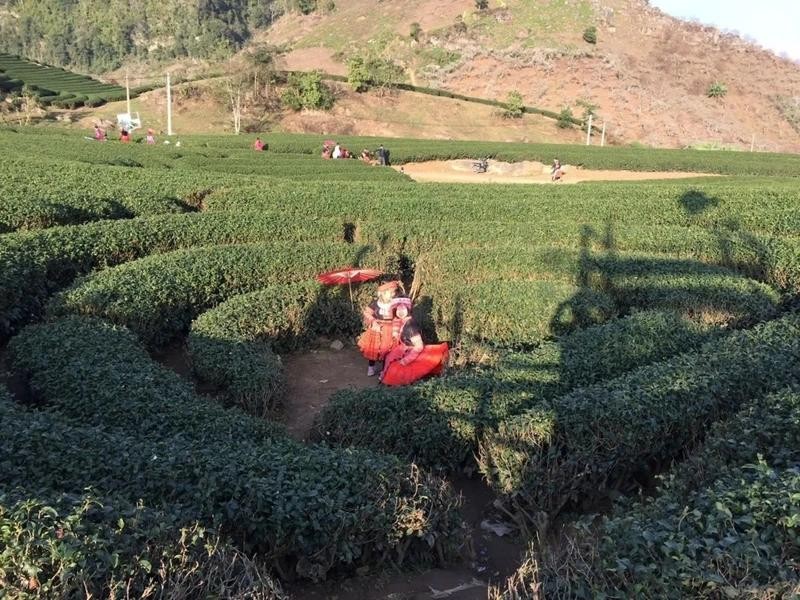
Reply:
x=306, y=509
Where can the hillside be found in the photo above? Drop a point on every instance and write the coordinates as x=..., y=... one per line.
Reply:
x=648, y=74
x=647, y=78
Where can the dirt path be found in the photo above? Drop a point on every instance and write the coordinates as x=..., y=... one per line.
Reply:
x=313, y=376
x=460, y=171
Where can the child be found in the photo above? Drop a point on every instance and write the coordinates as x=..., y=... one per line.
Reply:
x=151, y=138
x=377, y=340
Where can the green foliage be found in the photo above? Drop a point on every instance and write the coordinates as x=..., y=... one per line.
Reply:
x=565, y=118
x=482, y=4
x=416, y=31
x=717, y=90
x=307, y=6
x=439, y=423
x=157, y=441
x=363, y=74
x=590, y=35
x=47, y=83
x=233, y=345
x=307, y=91
x=574, y=445
x=723, y=523
x=159, y=296
x=515, y=106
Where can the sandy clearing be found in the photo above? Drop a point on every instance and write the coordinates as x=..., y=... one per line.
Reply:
x=460, y=171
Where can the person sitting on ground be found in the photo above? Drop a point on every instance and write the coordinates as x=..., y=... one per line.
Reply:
x=258, y=145
x=337, y=151
x=410, y=359
x=556, y=171
x=151, y=137
x=124, y=136
x=100, y=134
x=366, y=156
x=378, y=338
x=346, y=153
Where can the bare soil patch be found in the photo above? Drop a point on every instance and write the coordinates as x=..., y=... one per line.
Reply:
x=461, y=171
x=312, y=377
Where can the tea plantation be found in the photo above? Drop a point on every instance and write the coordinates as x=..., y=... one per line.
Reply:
x=629, y=348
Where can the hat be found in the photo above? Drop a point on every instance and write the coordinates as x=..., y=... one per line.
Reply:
x=402, y=301
x=389, y=286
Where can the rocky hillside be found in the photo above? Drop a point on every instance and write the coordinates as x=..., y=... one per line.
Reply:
x=653, y=79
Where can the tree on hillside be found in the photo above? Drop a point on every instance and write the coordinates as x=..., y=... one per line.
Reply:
x=364, y=74
x=515, y=105
x=306, y=90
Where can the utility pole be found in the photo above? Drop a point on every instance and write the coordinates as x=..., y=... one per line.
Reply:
x=589, y=131
x=603, y=136
x=169, y=107
x=127, y=93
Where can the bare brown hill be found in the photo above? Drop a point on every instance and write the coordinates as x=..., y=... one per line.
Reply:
x=648, y=74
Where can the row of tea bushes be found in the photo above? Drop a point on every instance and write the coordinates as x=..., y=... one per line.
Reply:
x=128, y=426
x=159, y=296
x=634, y=159
x=722, y=524
x=595, y=438
x=33, y=265
x=61, y=545
x=438, y=423
x=233, y=346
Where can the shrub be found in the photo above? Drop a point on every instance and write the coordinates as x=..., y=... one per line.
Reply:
x=590, y=35
x=482, y=4
x=717, y=90
x=136, y=428
x=306, y=90
x=233, y=345
x=438, y=423
x=722, y=524
x=595, y=437
x=565, y=118
x=515, y=106
x=416, y=31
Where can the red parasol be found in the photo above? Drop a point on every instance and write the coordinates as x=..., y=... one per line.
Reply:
x=348, y=275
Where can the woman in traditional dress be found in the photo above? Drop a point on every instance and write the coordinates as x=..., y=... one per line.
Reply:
x=377, y=340
x=410, y=359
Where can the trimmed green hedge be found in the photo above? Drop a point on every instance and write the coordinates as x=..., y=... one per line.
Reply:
x=233, y=345
x=724, y=523
x=35, y=264
x=91, y=545
x=159, y=296
x=577, y=445
x=138, y=430
x=438, y=423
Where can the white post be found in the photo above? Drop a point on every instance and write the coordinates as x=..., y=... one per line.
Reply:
x=169, y=107
x=127, y=94
x=589, y=131
x=603, y=136
x=753, y=143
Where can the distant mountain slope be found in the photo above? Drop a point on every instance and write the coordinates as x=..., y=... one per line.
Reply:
x=649, y=75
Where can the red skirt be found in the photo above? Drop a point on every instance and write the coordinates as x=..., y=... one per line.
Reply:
x=375, y=345
x=431, y=361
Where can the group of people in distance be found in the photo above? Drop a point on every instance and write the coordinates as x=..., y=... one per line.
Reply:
x=333, y=150
x=392, y=336
x=101, y=135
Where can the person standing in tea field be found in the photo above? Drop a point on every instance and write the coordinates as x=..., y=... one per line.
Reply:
x=378, y=338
